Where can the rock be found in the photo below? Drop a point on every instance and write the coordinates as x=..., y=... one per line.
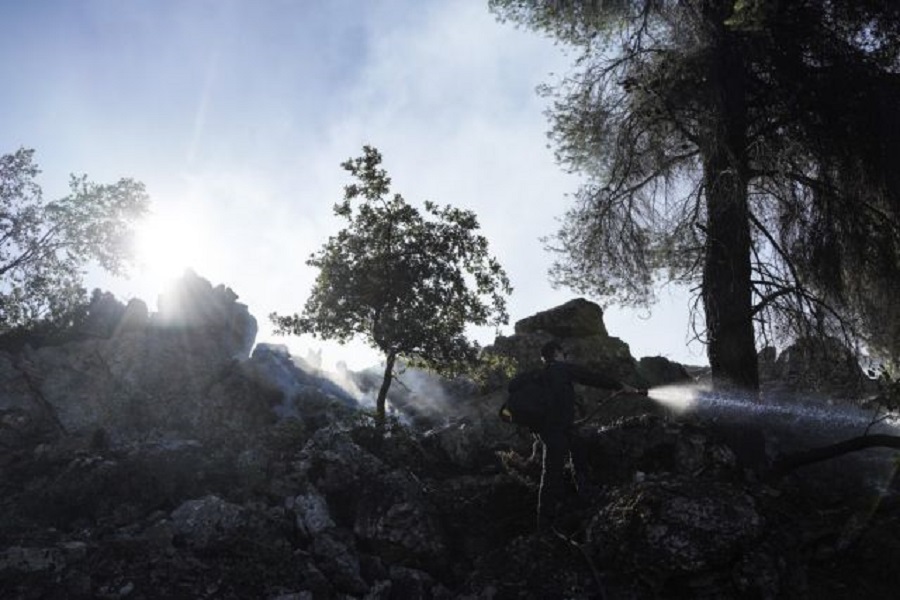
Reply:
x=674, y=527
x=574, y=319
x=411, y=584
x=136, y=316
x=30, y=560
x=385, y=507
x=313, y=516
x=336, y=556
x=307, y=595
x=578, y=325
x=174, y=373
x=272, y=364
x=469, y=439
x=104, y=313
x=193, y=304
x=395, y=520
x=282, y=489
x=659, y=370
x=815, y=365
x=617, y=450
x=205, y=521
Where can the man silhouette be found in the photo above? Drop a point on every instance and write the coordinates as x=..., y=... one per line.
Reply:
x=558, y=432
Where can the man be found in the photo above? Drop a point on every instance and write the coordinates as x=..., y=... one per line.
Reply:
x=558, y=432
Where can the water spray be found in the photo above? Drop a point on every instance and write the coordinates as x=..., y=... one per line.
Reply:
x=702, y=400
x=679, y=398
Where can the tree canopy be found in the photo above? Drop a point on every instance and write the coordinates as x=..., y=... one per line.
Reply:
x=747, y=147
x=407, y=283
x=45, y=246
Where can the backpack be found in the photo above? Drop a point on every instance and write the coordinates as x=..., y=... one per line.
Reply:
x=528, y=400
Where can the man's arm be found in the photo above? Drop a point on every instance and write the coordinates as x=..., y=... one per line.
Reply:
x=585, y=376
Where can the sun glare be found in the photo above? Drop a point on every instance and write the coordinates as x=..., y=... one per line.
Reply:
x=166, y=246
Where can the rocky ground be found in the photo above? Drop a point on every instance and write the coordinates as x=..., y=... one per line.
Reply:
x=253, y=477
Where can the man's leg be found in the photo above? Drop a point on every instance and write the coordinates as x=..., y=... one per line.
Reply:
x=578, y=452
x=556, y=451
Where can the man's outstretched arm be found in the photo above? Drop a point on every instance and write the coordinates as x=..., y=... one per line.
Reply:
x=592, y=378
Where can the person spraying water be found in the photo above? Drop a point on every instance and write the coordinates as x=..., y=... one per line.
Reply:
x=558, y=433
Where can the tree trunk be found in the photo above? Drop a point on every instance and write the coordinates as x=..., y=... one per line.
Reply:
x=385, y=386
x=727, y=292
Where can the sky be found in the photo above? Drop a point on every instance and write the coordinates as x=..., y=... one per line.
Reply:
x=236, y=115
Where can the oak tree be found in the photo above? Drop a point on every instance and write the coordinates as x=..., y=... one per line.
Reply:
x=407, y=281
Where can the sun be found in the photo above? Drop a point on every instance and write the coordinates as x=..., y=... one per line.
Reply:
x=166, y=246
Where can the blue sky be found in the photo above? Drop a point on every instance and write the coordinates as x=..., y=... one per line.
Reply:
x=237, y=115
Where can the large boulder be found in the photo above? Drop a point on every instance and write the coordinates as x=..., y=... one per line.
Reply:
x=574, y=319
x=659, y=370
x=578, y=324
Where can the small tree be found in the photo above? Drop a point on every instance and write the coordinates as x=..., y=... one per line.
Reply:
x=44, y=246
x=408, y=284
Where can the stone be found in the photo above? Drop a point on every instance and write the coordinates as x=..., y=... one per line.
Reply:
x=659, y=370
x=576, y=318
x=675, y=526
x=578, y=326
x=31, y=560
x=175, y=372
x=336, y=558
x=313, y=516
x=193, y=304
x=206, y=520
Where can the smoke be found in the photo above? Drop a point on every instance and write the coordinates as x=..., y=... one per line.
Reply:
x=425, y=390
x=295, y=376
x=413, y=393
x=343, y=379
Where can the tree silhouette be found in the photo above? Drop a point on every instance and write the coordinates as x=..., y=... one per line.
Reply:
x=44, y=246
x=409, y=284
x=747, y=147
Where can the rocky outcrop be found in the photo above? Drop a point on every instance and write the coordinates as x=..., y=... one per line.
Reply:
x=171, y=371
x=193, y=306
x=579, y=325
x=577, y=318
x=823, y=366
x=676, y=527
x=273, y=485
x=659, y=370
x=360, y=513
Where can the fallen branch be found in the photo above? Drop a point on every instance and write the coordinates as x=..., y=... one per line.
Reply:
x=789, y=462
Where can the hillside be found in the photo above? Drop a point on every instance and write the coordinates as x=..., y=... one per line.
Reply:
x=165, y=456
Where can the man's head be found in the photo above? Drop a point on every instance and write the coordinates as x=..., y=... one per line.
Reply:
x=552, y=351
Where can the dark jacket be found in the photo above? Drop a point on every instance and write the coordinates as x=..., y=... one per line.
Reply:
x=561, y=377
